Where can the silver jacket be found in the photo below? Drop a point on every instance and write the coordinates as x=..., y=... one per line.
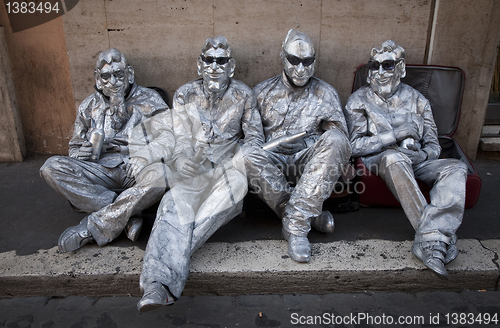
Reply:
x=288, y=110
x=370, y=120
x=215, y=123
x=140, y=103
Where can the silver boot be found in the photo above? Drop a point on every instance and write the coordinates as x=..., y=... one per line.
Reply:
x=75, y=237
x=432, y=253
x=133, y=228
x=155, y=295
x=452, y=251
x=324, y=222
x=299, y=248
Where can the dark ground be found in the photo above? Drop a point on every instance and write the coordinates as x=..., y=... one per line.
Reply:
x=464, y=309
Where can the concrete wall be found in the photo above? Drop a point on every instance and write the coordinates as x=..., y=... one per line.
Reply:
x=466, y=36
x=162, y=40
x=12, y=144
x=40, y=71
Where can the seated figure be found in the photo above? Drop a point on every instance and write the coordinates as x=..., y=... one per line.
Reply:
x=212, y=116
x=294, y=177
x=393, y=131
x=98, y=177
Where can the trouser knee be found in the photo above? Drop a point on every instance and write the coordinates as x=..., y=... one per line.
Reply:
x=336, y=144
x=51, y=166
x=392, y=157
x=454, y=166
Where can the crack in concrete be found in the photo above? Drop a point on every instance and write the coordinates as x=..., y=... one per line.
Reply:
x=495, y=258
x=495, y=261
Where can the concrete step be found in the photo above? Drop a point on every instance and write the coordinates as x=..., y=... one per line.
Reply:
x=253, y=267
x=491, y=130
x=490, y=138
x=490, y=144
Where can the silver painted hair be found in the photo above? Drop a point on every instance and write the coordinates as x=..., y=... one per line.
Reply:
x=217, y=42
x=389, y=46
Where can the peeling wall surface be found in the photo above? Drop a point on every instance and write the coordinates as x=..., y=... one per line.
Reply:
x=162, y=40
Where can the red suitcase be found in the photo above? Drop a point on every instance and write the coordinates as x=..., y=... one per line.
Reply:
x=443, y=87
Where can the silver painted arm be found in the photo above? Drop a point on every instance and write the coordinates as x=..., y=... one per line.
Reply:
x=251, y=123
x=429, y=141
x=362, y=142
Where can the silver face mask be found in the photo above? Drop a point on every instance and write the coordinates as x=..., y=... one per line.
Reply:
x=216, y=67
x=114, y=79
x=298, y=57
x=385, y=73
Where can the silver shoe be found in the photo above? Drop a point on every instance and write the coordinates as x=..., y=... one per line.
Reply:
x=452, y=251
x=133, y=228
x=324, y=222
x=155, y=295
x=75, y=237
x=432, y=253
x=299, y=248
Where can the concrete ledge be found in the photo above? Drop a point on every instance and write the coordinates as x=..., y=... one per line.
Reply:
x=490, y=144
x=255, y=267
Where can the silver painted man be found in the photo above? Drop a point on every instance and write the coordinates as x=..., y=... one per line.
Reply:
x=393, y=131
x=99, y=177
x=293, y=103
x=211, y=116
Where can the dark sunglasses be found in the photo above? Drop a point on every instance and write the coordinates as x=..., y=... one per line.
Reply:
x=387, y=65
x=219, y=60
x=294, y=60
x=117, y=74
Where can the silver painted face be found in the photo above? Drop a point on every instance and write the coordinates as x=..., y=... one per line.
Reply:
x=301, y=72
x=216, y=75
x=114, y=79
x=385, y=82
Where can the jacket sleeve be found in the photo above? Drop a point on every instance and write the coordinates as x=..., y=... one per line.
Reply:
x=429, y=141
x=336, y=117
x=362, y=141
x=81, y=127
x=182, y=126
x=153, y=139
x=252, y=123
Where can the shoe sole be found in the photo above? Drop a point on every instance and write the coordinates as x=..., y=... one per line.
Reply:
x=152, y=306
x=299, y=259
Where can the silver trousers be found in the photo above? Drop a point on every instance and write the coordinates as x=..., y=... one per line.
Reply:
x=106, y=193
x=438, y=220
x=314, y=171
x=187, y=216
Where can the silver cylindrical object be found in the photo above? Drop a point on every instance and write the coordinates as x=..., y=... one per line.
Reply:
x=273, y=144
x=408, y=143
x=97, y=140
x=198, y=155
